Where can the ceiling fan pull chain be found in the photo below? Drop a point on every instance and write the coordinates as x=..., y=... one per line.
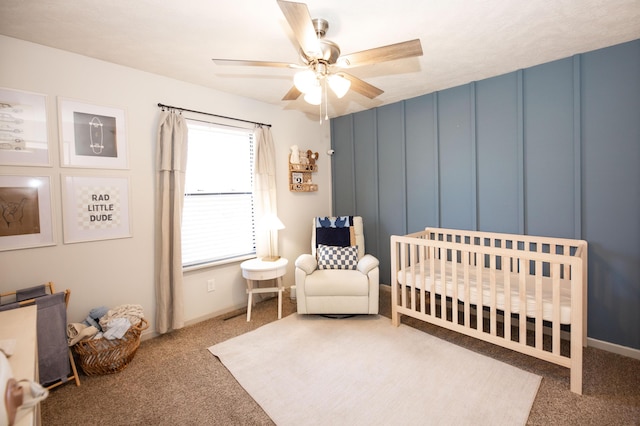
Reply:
x=326, y=100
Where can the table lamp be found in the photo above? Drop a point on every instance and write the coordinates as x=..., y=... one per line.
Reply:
x=271, y=223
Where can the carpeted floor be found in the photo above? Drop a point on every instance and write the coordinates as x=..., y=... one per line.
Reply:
x=174, y=379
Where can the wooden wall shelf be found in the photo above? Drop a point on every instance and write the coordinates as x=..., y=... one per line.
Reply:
x=311, y=168
x=301, y=174
x=303, y=187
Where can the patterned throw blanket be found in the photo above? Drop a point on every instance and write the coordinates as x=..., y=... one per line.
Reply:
x=335, y=231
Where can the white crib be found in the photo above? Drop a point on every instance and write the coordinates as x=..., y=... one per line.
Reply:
x=498, y=288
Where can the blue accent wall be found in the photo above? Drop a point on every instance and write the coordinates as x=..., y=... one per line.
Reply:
x=550, y=150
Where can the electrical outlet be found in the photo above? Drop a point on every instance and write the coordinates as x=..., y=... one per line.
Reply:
x=211, y=285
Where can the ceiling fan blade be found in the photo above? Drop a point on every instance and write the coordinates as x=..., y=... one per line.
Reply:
x=241, y=62
x=292, y=94
x=362, y=86
x=406, y=49
x=299, y=19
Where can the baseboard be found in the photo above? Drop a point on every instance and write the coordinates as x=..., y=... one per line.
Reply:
x=149, y=334
x=612, y=347
x=591, y=342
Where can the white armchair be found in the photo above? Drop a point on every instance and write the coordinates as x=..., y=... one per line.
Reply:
x=336, y=278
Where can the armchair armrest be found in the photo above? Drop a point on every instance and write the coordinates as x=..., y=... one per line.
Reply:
x=367, y=263
x=307, y=263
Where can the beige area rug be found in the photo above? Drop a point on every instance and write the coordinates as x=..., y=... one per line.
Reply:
x=312, y=370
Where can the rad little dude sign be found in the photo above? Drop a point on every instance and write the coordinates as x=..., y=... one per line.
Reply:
x=100, y=208
x=96, y=208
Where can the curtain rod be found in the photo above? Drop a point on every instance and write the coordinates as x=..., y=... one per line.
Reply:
x=213, y=115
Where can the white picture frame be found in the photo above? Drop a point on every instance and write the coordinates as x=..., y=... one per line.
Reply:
x=95, y=208
x=26, y=218
x=92, y=136
x=24, y=135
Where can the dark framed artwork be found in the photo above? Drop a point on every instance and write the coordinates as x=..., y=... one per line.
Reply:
x=92, y=136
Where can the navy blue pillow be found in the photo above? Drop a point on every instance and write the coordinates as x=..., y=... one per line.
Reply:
x=334, y=231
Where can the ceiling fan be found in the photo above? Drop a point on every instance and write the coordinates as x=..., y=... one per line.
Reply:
x=322, y=62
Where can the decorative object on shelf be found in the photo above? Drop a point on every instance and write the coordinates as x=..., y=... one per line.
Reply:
x=271, y=223
x=295, y=154
x=92, y=136
x=300, y=171
x=23, y=129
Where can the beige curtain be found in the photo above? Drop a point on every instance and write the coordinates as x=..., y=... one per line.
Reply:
x=171, y=160
x=265, y=189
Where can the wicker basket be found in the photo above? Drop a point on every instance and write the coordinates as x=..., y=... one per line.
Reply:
x=103, y=356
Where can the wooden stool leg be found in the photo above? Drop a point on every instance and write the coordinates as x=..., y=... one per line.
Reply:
x=280, y=288
x=250, y=302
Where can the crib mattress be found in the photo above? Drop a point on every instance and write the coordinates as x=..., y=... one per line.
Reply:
x=547, y=289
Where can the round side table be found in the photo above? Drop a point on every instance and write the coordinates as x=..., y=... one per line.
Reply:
x=255, y=270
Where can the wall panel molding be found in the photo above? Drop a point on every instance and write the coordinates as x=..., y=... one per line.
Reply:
x=473, y=142
x=577, y=146
x=436, y=138
x=522, y=218
x=550, y=150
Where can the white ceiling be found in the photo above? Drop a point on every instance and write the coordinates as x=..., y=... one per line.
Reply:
x=462, y=40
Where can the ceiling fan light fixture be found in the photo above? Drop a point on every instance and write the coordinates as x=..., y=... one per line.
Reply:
x=314, y=96
x=306, y=81
x=339, y=85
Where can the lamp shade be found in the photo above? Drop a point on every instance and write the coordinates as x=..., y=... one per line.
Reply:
x=314, y=96
x=339, y=85
x=271, y=222
x=305, y=81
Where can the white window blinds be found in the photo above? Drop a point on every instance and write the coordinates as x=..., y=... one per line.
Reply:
x=218, y=215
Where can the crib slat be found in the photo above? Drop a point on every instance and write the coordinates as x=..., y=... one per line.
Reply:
x=432, y=284
x=523, y=266
x=423, y=285
x=538, y=296
x=506, y=270
x=443, y=284
x=454, y=282
x=412, y=257
x=479, y=310
x=492, y=290
x=403, y=262
x=467, y=291
x=394, y=282
x=555, y=299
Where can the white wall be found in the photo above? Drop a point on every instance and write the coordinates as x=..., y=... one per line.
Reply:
x=114, y=272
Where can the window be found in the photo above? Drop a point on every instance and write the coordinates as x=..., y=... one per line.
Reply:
x=217, y=219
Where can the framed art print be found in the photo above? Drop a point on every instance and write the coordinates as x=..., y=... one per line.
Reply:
x=95, y=208
x=23, y=129
x=26, y=215
x=92, y=136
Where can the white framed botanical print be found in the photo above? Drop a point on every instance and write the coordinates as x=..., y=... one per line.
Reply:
x=95, y=208
x=24, y=136
x=92, y=136
x=25, y=212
